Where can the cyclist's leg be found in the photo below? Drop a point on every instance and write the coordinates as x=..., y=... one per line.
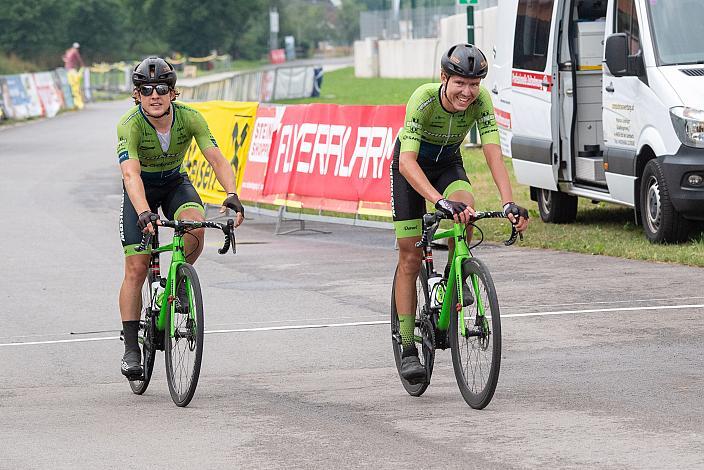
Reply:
x=407, y=207
x=184, y=203
x=130, y=299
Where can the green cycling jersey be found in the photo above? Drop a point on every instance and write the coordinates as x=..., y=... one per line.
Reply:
x=137, y=139
x=436, y=134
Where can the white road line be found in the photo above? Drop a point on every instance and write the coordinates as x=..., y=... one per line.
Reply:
x=597, y=310
x=364, y=323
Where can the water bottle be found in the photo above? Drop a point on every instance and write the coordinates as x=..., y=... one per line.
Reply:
x=158, y=290
x=436, y=290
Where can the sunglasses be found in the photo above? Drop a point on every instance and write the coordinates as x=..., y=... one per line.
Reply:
x=147, y=90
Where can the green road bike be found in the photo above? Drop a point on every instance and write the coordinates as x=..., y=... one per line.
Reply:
x=472, y=329
x=172, y=311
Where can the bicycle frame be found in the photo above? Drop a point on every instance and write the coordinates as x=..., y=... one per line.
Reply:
x=460, y=254
x=176, y=248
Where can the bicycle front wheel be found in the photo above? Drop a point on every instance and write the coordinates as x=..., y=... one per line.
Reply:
x=147, y=338
x=184, y=348
x=476, y=344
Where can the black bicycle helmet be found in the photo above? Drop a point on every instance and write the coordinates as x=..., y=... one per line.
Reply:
x=465, y=60
x=154, y=70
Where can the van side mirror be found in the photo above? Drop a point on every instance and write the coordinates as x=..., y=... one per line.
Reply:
x=617, y=54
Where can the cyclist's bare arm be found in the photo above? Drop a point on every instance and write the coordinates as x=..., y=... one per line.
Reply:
x=223, y=170
x=495, y=160
x=224, y=174
x=409, y=168
x=131, y=175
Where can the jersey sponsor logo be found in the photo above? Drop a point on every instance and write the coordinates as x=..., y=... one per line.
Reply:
x=123, y=156
x=426, y=103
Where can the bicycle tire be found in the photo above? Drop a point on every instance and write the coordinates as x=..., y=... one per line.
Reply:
x=146, y=336
x=425, y=330
x=188, y=337
x=477, y=381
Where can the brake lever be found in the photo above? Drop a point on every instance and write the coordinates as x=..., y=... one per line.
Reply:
x=229, y=231
x=514, y=234
x=146, y=240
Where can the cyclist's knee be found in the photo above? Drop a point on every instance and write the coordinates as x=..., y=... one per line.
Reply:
x=409, y=261
x=462, y=196
x=136, y=268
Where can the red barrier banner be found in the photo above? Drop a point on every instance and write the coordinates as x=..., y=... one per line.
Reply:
x=267, y=121
x=332, y=152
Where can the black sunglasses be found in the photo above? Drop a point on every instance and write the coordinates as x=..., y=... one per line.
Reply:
x=161, y=89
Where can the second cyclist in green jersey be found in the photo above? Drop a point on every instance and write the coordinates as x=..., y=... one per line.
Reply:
x=436, y=134
x=427, y=166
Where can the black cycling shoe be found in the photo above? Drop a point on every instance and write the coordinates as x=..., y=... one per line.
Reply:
x=411, y=368
x=131, y=366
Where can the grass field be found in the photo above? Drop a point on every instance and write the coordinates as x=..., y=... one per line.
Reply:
x=603, y=229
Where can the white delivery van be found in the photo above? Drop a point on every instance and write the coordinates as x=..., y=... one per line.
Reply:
x=604, y=99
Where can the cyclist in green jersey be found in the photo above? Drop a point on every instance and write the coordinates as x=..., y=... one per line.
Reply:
x=427, y=165
x=153, y=138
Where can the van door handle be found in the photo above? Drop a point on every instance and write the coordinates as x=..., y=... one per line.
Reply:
x=610, y=88
x=495, y=90
x=569, y=92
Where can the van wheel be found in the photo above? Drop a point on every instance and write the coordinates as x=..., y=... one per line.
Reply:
x=556, y=207
x=661, y=222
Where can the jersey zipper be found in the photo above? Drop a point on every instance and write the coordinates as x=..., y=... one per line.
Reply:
x=447, y=139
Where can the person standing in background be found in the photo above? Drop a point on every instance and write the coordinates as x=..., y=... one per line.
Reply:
x=72, y=58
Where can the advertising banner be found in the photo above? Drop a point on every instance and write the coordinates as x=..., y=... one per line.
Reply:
x=3, y=103
x=35, y=105
x=65, y=87
x=49, y=95
x=231, y=124
x=268, y=120
x=334, y=152
x=19, y=102
x=74, y=80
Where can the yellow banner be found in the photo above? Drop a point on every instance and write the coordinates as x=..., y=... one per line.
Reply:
x=75, y=81
x=231, y=123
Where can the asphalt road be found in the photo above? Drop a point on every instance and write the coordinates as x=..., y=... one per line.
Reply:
x=602, y=361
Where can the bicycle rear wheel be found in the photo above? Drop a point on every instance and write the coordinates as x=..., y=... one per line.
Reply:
x=424, y=331
x=476, y=355
x=184, y=350
x=146, y=337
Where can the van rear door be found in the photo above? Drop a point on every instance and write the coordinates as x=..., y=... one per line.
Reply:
x=534, y=119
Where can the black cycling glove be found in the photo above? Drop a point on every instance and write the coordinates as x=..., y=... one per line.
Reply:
x=146, y=217
x=233, y=202
x=516, y=210
x=450, y=208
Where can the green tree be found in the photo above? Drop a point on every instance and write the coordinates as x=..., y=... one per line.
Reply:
x=308, y=22
x=348, y=20
x=198, y=28
x=101, y=40
x=34, y=30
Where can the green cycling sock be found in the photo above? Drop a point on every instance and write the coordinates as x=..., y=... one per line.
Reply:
x=407, y=327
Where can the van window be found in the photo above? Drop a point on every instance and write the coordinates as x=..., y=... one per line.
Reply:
x=627, y=22
x=530, y=50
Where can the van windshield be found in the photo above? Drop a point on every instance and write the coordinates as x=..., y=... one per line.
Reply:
x=679, y=31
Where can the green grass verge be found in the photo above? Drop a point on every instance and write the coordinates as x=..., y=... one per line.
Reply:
x=342, y=87
x=600, y=229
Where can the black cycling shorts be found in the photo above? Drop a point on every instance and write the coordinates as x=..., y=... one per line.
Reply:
x=408, y=206
x=173, y=197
